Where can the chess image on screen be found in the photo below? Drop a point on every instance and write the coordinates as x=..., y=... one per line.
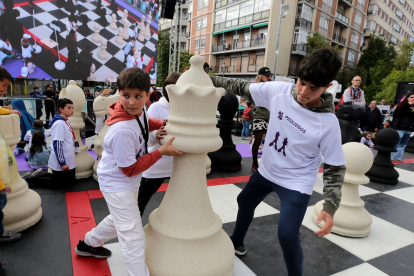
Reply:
x=90, y=40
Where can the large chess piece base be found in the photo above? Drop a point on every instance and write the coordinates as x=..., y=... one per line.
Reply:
x=351, y=219
x=185, y=237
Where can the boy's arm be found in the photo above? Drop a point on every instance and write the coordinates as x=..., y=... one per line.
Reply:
x=4, y=111
x=233, y=86
x=155, y=124
x=58, y=149
x=142, y=164
x=333, y=178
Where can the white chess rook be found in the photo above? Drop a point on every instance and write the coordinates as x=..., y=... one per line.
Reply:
x=113, y=25
x=96, y=37
x=352, y=219
x=184, y=236
x=103, y=54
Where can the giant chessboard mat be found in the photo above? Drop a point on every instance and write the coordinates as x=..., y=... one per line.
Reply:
x=47, y=11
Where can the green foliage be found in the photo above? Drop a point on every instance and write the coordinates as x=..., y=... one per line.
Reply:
x=185, y=59
x=404, y=56
x=317, y=41
x=345, y=76
x=390, y=84
x=162, y=56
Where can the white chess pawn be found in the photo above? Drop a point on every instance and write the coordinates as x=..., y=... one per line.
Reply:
x=92, y=75
x=125, y=21
x=96, y=36
x=119, y=39
x=147, y=33
x=103, y=54
x=113, y=23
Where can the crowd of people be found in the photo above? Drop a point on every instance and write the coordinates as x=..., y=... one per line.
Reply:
x=288, y=121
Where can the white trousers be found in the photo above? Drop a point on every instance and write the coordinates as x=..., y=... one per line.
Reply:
x=124, y=221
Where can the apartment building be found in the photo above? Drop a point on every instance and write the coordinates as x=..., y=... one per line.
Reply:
x=393, y=19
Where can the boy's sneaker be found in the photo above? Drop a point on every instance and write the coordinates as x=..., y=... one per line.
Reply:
x=25, y=175
x=88, y=251
x=240, y=250
x=9, y=237
x=36, y=172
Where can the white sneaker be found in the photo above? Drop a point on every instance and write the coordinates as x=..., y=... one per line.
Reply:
x=36, y=172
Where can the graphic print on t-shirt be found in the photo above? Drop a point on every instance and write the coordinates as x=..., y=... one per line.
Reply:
x=284, y=144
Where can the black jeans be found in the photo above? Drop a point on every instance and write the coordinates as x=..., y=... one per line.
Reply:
x=50, y=113
x=149, y=186
x=39, y=113
x=58, y=179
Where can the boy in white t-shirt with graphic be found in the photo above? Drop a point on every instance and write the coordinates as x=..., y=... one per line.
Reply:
x=302, y=130
x=123, y=160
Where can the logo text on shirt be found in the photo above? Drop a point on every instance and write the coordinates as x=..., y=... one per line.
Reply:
x=292, y=125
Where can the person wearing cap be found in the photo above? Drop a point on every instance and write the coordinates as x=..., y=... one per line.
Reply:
x=265, y=74
x=206, y=67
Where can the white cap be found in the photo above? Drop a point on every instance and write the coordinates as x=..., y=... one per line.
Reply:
x=24, y=72
x=26, y=36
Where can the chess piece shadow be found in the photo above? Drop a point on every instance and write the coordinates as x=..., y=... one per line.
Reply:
x=383, y=171
x=84, y=29
x=348, y=116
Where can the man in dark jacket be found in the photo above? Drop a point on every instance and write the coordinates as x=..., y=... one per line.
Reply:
x=84, y=63
x=49, y=103
x=39, y=105
x=373, y=120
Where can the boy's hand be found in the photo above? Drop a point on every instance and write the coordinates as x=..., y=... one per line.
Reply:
x=15, y=112
x=326, y=229
x=168, y=149
x=65, y=167
x=160, y=134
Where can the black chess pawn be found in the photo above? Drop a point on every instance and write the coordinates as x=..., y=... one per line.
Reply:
x=348, y=116
x=114, y=8
x=227, y=158
x=383, y=171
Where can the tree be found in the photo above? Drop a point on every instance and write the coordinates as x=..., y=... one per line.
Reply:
x=162, y=56
x=185, y=59
x=317, y=41
x=390, y=84
x=404, y=56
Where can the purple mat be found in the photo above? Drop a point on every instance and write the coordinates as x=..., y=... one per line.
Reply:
x=24, y=166
x=14, y=66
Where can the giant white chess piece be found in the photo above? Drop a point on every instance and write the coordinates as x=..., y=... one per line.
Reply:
x=84, y=161
x=184, y=236
x=101, y=108
x=113, y=25
x=23, y=205
x=147, y=32
x=103, y=54
x=142, y=29
x=125, y=21
x=352, y=219
x=119, y=39
x=96, y=37
x=92, y=76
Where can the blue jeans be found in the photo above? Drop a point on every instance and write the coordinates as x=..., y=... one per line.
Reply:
x=245, y=130
x=3, y=202
x=402, y=143
x=294, y=205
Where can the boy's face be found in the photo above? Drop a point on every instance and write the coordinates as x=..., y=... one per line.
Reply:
x=369, y=136
x=3, y=86
x=308, y=94
x=133, y=100
x=386, y=124
x=67, y=111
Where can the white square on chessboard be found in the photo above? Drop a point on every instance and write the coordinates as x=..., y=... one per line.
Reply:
x=384, y=238
x=406, y=194
x=155, y=36
x=89, y=6
x=150, y=45
x=47, y=6
x=112, y=40
x=405, y=176
x=363, y=269
x=120, y=13
x=91, y=15
x=117, y=265
x=120, y=55
x=23, y=13
x=41, y=32
x=147, y=59
x=224, y=201
x=114, y=32
x=105, y=3
x=103, y=61
x=363, y=191
x=64, y=52
x=45, y=17
x=104, y=72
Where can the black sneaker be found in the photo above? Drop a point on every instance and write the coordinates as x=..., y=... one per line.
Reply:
x=88, y=251
x=240, y=250
x=9, y=237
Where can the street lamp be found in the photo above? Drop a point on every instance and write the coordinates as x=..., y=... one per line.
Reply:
x=223, y=68
x=282, y=7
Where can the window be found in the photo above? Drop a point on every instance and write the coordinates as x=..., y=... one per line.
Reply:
x=205, y=3
x=354, y=38
x=246, y=8
x=396, y=27
x=393, y=39
x=198, y=25
x=307, y=12
x=203, y=44
x=197, y=44
x=232, y=13
x=300, y=37
x=328, y=2
x=351, y=56
x=324, y=22
x=204, y=25
x=220, y=16
x=358, y=17
x=261, y=5
x=199, y=4
x=399, y=14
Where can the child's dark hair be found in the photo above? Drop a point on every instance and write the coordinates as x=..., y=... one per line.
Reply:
x=35, y=88
x=38, y=141
x=171, y=79
x=134, y=78
x=63, y=102
x=4, y=74
x=320, y=67
x=388, y=121
x=366, y=133
x=37, y=123
x=249, y=103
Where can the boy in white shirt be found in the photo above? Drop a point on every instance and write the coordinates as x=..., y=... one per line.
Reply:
x=302, y=129
x=119, y=173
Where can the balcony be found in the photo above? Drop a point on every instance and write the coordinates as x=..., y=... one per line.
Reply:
x=299, y=49
x=339, y=39
x=312, y=2
x=189, y=16
x=342, y=19
x=300, y=22
x=347, y=2
x=240, y=45
x=235, y=70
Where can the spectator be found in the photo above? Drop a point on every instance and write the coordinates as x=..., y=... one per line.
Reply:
x=390, y=113
x=404, y=124
x=373, y=118
x=155, y=95
x=85, y=62
x=242, y=102
x=366, y=139
x=39, y=105
x=27, y=49
x=256, y=39
x=246, y=120
x=37, y=125
x=128, y=47
x=49, y=103
x=130, y=62
x=38, y=153
x=387, y=124
x=264, y=75
x=354, y=93
x=89, y=98
x=26, y=120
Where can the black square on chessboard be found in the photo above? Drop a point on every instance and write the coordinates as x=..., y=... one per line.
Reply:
x=153, y=41
x=386, y=187
x=84, y=30
x=115, y=64
x=27, y=22
x=390, y=208
x=29, y=9
x=112, y=49
x=106, y=34
x=58, y=14
x=147, y=52
x=397, y=262
x=97, y=64
x=85, y=41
